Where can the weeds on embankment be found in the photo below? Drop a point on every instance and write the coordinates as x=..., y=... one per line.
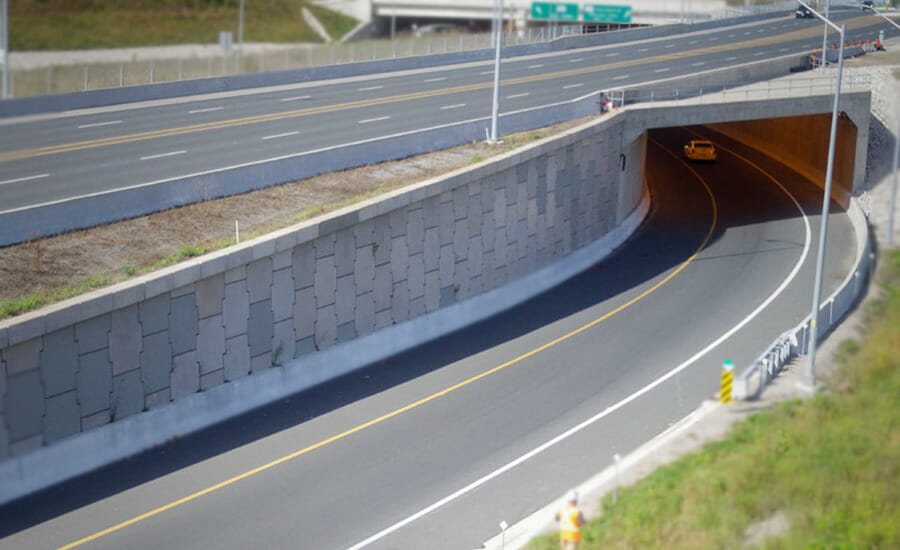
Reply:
x=828, y=468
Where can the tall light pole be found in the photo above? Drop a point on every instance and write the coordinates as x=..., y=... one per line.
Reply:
x=498, y=43
x=4, y=43
x=881, y=15
x=825, y=35
x=809, y=377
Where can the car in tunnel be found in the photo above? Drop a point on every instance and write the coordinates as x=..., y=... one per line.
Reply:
x=700, y=149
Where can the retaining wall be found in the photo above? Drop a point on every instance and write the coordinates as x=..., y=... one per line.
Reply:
x=105, y=375
x=165, y=90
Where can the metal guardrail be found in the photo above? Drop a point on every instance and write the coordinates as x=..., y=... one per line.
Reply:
x=785, y=88
x=793, y=343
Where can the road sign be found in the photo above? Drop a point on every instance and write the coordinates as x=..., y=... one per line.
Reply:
x=555, y=11
x=607, y=14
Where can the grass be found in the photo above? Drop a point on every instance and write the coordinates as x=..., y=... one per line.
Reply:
x=30, y=302
x=81, y=24
x=831, y=465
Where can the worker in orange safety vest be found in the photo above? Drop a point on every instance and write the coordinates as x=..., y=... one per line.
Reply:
x=570, y=521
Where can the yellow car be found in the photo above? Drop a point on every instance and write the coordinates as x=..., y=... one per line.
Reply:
x=700, y=149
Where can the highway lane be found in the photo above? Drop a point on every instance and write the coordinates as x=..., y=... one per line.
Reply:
x=53, y=159
x=660, y=306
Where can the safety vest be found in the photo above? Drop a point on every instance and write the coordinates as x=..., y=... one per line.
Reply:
x=569, y=524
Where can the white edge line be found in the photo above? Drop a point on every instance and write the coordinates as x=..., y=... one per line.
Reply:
x=368, y=120
x=293, y=155
x=612, y=408
x=27, y=178
x=95, y=124
x=161, y=155
x=207, y=110
x=286, y=134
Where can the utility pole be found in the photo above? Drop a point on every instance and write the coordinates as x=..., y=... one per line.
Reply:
x=825, y=34
x=809, y=377
x=241, y=35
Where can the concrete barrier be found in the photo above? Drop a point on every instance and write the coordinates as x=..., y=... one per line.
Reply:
x=19, y=225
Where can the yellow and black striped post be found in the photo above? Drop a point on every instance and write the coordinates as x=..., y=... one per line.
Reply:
x=727, y=379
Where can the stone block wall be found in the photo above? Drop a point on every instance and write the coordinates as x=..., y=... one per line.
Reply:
x=149, y=342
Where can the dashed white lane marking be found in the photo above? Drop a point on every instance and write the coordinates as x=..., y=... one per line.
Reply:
x=746, y=33
x=538, y=66
x=369, y=88
x=644, y=49
x=757, y=54
x=698, y=64
x=368, y=120
x=207, y=110
x=486, y=72
x=295, y=98
x=95, y=124
x=457, y=106
x=730, y=36
x=286, y=134
x=573, y=86
x=783, y=49
x=576, y=60
x=436, y=79
x=623, y=77
x=670, y=46
x=161, y=155
x=693, y=42
x=612, y=54
x=516, y=95
x=660, y=70
x=26, y=178
x=730, y=58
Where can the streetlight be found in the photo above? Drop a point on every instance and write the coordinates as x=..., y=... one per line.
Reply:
x=809, y=377
x=825, y=35
x=498, y=43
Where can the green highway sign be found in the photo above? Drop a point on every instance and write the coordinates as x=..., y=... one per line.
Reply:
x=606, y=14
x=556, y=11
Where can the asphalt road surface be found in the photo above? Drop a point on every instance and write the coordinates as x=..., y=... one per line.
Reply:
x=57, y=157
x=434, y=447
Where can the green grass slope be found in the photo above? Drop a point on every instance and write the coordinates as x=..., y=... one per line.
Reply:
x=830, y=465
x=81, y=24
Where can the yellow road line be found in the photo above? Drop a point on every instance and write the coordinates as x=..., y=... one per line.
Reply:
x=424, y=400
x=231, y=123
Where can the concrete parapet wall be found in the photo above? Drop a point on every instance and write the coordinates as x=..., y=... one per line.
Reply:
x=18, y=226
x=176, y=350
x=166, y=90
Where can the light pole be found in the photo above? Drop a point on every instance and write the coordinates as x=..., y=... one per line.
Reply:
x=4, y=43
x=809, y=378
x=881, y=15
x=825, y=35
x=498, y=43
x=890, y=239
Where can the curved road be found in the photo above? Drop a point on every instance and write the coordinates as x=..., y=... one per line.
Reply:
x=57, y=157
x=432, y=448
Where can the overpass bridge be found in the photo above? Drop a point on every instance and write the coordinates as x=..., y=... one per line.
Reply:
x=105, y=375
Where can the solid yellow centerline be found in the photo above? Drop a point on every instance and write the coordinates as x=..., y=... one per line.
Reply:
x=424, y=400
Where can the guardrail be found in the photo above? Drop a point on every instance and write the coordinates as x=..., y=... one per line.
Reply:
x=777, y=89
x=794, y=342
